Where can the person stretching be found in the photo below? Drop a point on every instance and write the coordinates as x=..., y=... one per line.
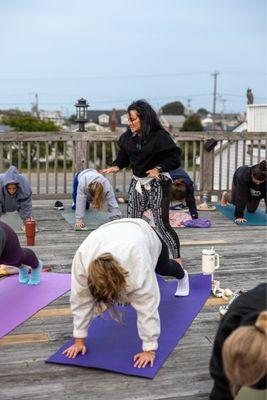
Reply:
x=117, y=263
x=12, y=254
x=90, y=186
x=248, y=188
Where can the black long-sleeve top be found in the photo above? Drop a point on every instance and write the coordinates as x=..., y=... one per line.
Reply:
x=158, y=150
x=243, y=311
x=245, y=189
x=179, y=173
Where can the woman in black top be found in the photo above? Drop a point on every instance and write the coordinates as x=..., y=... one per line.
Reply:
x=243, y=312
x=152, y=153
x=248, y=188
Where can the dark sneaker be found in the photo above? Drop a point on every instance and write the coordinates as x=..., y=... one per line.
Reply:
x=58, y=205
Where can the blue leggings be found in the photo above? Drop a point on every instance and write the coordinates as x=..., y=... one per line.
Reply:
x=10, y=251
x=74, y=192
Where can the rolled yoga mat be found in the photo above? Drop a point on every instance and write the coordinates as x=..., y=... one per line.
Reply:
x=253, y=219
x=20, y=301
x=111, y=345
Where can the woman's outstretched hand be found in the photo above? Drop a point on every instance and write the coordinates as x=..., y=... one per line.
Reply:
x=75, y=349
x=240, y=220
x=111, y=170
x=142, y=359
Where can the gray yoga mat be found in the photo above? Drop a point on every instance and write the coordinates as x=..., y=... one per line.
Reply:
x=13, y=219
x=92, y=219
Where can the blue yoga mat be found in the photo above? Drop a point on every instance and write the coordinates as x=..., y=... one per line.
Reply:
x=253, y=219
x=112, y=346
x=92, y=219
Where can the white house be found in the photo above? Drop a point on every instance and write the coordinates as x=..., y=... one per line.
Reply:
x=256, y=122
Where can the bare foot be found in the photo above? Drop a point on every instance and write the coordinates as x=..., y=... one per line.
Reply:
x=224, y=201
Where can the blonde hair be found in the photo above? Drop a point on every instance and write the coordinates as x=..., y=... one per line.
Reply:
x=244, y=354
x=106, y=279
x=96, y=190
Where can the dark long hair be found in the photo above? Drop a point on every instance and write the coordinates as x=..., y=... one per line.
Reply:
x=259, y=171
x=148, y=117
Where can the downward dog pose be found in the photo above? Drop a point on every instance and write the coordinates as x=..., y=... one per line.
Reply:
x=182, y=188
x=90, y=186
x=152, y=153
x=15, y=194
x=12, y=254
x=117, y=263
x=239, y=352
x=248, y=188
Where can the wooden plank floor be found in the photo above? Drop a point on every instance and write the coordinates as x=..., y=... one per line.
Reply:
x=184, y=376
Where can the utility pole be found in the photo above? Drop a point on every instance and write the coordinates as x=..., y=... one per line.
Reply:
x=189, y=106
x=215, y=74
x=37, y=105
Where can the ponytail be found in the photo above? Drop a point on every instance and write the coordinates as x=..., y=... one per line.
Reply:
x=96, y=190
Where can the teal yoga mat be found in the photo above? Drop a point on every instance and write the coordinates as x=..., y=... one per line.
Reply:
x=92, y=219
x=253, y=219
x=13, y=219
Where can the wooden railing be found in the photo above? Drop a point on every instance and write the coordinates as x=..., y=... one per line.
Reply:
x=50, y=160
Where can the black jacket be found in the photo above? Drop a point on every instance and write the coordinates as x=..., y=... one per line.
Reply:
x=243, y=311
x=244, y=189
x=179, y=173
x=158, y=150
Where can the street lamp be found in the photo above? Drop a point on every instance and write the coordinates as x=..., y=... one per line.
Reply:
x=81, y=113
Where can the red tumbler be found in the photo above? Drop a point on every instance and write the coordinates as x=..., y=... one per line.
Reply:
x=30, y=227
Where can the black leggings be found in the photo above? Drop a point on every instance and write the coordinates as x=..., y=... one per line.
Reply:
x=155, y=196
x=166, y=266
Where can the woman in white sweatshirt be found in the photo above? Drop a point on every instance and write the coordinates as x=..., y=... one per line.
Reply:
x=89, y=186
x=117, y=263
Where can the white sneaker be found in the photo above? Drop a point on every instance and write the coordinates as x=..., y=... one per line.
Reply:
x=183, y=286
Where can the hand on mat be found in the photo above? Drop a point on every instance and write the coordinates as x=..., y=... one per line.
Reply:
x=79, y=224
x=142, y=359
x=111, y=170
x=240, y=221
x=75, y=349
x=153, y=173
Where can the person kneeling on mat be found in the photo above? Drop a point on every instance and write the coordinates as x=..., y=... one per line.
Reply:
x=91, y=186
x=117, y=263
x=15, y=194
x=12, y=254
x=248, y=188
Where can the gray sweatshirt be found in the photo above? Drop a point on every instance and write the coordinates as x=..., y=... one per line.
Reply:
x=137, y=247
x=84, y=179
x=21, y=201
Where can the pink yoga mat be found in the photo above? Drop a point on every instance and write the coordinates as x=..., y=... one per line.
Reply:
x=19, y=302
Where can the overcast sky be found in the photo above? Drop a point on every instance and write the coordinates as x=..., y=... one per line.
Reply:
x=114, y=52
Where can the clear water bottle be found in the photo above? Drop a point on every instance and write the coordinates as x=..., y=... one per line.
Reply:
x=205, y=198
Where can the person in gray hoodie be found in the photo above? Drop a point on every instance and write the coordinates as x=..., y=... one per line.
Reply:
x=90, y=186
x=15, y=194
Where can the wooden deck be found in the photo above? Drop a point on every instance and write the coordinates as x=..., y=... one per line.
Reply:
x=184, y=376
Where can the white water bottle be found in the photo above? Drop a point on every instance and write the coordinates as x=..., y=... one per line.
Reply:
x=210, y=261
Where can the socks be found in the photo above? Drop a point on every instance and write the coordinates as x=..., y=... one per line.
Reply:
x=183, y=286
x=35, y=277
x=23, y=274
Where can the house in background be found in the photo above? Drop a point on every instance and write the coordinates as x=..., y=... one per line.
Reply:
x=171, y=122
x=256, y=122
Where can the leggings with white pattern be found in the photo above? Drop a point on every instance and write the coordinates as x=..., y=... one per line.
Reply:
x=156, y=197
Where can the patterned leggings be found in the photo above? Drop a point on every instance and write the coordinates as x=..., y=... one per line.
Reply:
x=155, y=196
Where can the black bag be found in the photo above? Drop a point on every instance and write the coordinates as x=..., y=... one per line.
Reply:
x=210, y=144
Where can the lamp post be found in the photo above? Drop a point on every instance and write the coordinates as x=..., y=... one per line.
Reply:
x=81, y=113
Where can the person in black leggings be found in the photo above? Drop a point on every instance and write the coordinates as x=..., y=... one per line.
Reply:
x=11, y=253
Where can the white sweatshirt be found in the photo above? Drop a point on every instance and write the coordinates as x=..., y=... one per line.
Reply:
x=84, y=179
x=137, y=248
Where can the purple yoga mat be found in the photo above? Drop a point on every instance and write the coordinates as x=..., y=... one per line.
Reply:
x=111, y=346
x=19, y=301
